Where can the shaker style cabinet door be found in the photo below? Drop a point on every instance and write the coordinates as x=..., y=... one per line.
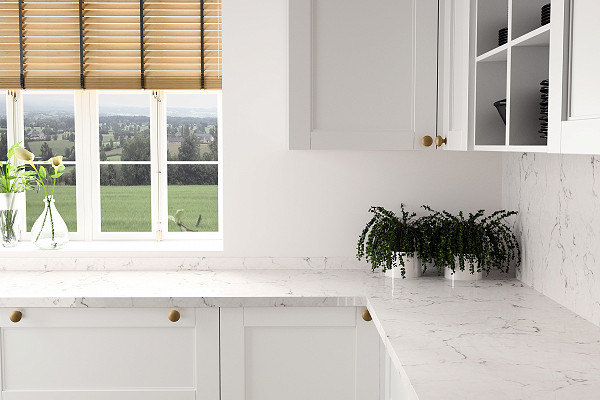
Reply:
x=298, y=353
x=454, y=66
x=109, y=354
x=574, y=80
x=362, y=75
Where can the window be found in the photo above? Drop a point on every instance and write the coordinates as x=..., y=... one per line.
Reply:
x=139, y=164
x=48, y=131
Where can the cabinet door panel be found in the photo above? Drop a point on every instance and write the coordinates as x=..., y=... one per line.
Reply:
x=102, y=395
x=362, y=77
x=298, y=353
x=574, y=113
x=110, y=354
x=83, y=358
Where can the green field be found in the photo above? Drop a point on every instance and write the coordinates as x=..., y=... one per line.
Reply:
x=127, y=208
x=58, y=147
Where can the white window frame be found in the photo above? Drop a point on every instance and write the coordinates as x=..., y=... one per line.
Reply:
x=88, y=171
x=18, y=135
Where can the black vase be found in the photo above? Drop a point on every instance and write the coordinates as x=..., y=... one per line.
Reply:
x=501, y=107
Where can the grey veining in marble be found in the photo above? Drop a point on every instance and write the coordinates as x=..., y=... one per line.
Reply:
x=558, y=199
x=177, y=264
x=492, y=339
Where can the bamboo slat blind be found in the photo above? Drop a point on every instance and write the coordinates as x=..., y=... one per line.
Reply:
x=110, y=44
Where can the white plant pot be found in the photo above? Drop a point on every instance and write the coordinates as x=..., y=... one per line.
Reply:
x=412, y=268
x=465, y=275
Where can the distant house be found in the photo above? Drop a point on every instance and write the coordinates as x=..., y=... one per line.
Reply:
x=35, y=134
x=205, y=138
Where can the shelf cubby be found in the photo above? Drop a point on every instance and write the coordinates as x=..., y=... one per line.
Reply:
x=490, y=87
x=492, y=15
x=526, y=16
x=529, y=66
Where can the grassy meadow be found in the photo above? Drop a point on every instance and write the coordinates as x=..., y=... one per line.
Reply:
x=58, y=146
x=127, y=208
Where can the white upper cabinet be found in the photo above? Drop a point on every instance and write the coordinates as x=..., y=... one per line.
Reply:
x=575, y=104
x=362, y=76
x=454, y=64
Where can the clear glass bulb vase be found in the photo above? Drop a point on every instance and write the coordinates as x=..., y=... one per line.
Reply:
x=10, y=218
x=49, y=231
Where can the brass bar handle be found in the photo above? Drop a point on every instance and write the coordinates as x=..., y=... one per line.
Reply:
x=174, y=315
x=15, y=316
x=366, y=315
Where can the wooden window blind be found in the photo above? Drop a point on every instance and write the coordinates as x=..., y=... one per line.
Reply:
x=10, y=60
x=110, y=44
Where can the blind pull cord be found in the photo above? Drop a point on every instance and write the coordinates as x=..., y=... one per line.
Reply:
x=22, y=75
x=201, y=44
x=142, y=80
x=81, y=79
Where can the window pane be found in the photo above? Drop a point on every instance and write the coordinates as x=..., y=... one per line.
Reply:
x=3, y=137
x=64, y=196
x=192, y=127
x=193, y=189
x=49, y=125
x=124, y=131
x=125, y=198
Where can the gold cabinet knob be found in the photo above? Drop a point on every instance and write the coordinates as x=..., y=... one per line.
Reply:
x=174, y=315
x=366, y=315
x=15, y=316
x=427, y=141
x=439, y=141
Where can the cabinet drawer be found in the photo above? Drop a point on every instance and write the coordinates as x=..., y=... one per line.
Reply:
x=99, y=350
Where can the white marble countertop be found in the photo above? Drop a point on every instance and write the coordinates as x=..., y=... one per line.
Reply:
x=494, y=339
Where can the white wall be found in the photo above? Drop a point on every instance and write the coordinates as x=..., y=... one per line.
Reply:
x=558, y=199
x=283, y=203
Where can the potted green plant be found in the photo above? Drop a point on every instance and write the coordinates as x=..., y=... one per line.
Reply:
x=466, y=246
x=389, y=242
x=14, y=181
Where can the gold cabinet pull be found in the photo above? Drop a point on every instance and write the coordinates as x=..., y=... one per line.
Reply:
x=439, y=141
x=366, y=315
x=174, y=315
x=427, y=141
x=15, y=316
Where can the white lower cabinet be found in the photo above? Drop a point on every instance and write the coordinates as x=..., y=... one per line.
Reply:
x=292, y=353
x=297, y=353
x=116, y=354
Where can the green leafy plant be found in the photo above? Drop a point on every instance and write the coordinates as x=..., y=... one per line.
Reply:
x=476, y=241
x=387, y=238
x=178, y=220
x=13, y=179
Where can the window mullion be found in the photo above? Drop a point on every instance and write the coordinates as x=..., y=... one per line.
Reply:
x=157, y=170
x=85, y=183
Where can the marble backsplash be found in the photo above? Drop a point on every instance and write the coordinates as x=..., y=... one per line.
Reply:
x=558, y=199
x=180, y=264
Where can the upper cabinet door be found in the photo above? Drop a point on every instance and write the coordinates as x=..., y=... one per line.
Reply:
x=455, y=64
x=362, y=76
x=575, y=105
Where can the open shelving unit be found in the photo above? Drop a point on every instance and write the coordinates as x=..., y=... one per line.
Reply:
x=512, y=71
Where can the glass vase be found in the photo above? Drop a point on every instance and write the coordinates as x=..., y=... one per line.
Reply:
x=11, y=205
x=49, y=231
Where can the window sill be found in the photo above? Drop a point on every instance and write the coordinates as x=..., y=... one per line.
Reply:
x=121, y=248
